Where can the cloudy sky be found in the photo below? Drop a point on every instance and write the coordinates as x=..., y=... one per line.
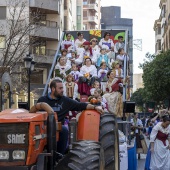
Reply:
x=143, y=13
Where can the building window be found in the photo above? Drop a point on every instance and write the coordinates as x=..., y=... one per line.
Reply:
x=2, y=41
x=85, y=2
x=40, y=49
x=65, y=22
x=159, y=45
x=2, y=12
x=37, y=76
x=79, y=18
x=159, y=30
x=84, y=13
x=65, y=4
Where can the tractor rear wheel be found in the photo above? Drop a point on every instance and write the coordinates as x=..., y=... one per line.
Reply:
x=110, y=141
x=85, y=155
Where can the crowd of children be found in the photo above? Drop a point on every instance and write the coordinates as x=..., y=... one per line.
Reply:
x=88, y=68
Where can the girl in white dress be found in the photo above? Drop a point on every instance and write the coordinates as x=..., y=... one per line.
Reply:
x=160, y=145
x=79, y=42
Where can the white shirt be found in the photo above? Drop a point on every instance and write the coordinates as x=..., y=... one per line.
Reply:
x=137, y=123
x=92, y=70
x=75, y=74
x=157, y=128
x=66, y=42
x=122, y=57
x=104, y=41
x=100, y=72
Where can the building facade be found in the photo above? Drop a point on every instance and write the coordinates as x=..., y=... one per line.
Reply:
x=137, y=81
x=47, y=17
x=162, y=28
x=73, y=19
x=91, y=14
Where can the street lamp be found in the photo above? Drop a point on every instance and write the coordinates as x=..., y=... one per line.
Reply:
x=29, y=65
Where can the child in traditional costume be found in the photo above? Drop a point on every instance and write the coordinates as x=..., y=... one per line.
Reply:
x=75, y=73
x=119, y=44
x=117, y=70
x=96, y=85
x=71, y=88
x=102, y=75
x=102, y=57
x=121, y=57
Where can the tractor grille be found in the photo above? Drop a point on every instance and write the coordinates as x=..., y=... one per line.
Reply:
x=14, y=137
x=14, y=134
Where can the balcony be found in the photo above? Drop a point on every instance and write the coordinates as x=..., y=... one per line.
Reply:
x=44, y=56
x=91, y=7
x=50, y=6
x=91, y=19
x=46, y=29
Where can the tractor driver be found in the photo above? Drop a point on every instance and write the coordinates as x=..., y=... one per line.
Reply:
x=62, y=105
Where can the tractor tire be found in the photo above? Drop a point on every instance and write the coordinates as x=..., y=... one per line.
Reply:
x=110, y=141
x=85, y=155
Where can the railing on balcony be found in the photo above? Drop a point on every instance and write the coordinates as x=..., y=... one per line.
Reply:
x=43, y=52
x=91, y=6
x=47, y=23
x=90, y=19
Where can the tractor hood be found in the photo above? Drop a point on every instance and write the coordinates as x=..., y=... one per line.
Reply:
x=21, y=115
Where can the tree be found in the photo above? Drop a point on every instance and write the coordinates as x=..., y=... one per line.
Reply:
x=156, y=76
x=20, y=23
x=137, y=97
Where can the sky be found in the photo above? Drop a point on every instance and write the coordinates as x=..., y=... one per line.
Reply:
x=144, y=13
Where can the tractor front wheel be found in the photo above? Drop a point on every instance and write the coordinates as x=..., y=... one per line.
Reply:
x=85, y=155
x=109, y=141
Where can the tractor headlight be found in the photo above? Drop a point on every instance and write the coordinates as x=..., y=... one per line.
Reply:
x=4, y=155
x=18, y=154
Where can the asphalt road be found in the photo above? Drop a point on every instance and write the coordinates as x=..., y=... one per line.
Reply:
x=141, y=162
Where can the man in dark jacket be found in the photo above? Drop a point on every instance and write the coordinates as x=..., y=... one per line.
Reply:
x=62, y=105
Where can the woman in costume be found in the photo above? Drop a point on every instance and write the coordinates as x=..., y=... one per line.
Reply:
x=160, y=145
x=62, y=69
x=79, y=42
x=113, y=96
x=94, y=46
x=89, y=73
x=68, y=44
x=106, y=42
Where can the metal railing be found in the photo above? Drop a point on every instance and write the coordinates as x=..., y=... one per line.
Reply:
x=47, y=23
x=43, y=52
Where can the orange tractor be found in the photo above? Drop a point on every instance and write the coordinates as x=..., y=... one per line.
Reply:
x=28, y=140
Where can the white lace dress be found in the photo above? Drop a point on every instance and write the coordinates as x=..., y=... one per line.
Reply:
x=160, y=158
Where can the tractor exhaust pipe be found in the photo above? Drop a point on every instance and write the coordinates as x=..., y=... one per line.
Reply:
x=41, y=106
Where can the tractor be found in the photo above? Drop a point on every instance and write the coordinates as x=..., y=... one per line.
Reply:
x=29, y=140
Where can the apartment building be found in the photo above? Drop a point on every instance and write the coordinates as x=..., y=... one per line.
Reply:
x=91, y=14
x=51, y=24
x=137, y=81
x=157, y=29
x=73, y=15
x=162, y=28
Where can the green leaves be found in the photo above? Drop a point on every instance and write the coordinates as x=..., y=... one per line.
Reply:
x=156, y=76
